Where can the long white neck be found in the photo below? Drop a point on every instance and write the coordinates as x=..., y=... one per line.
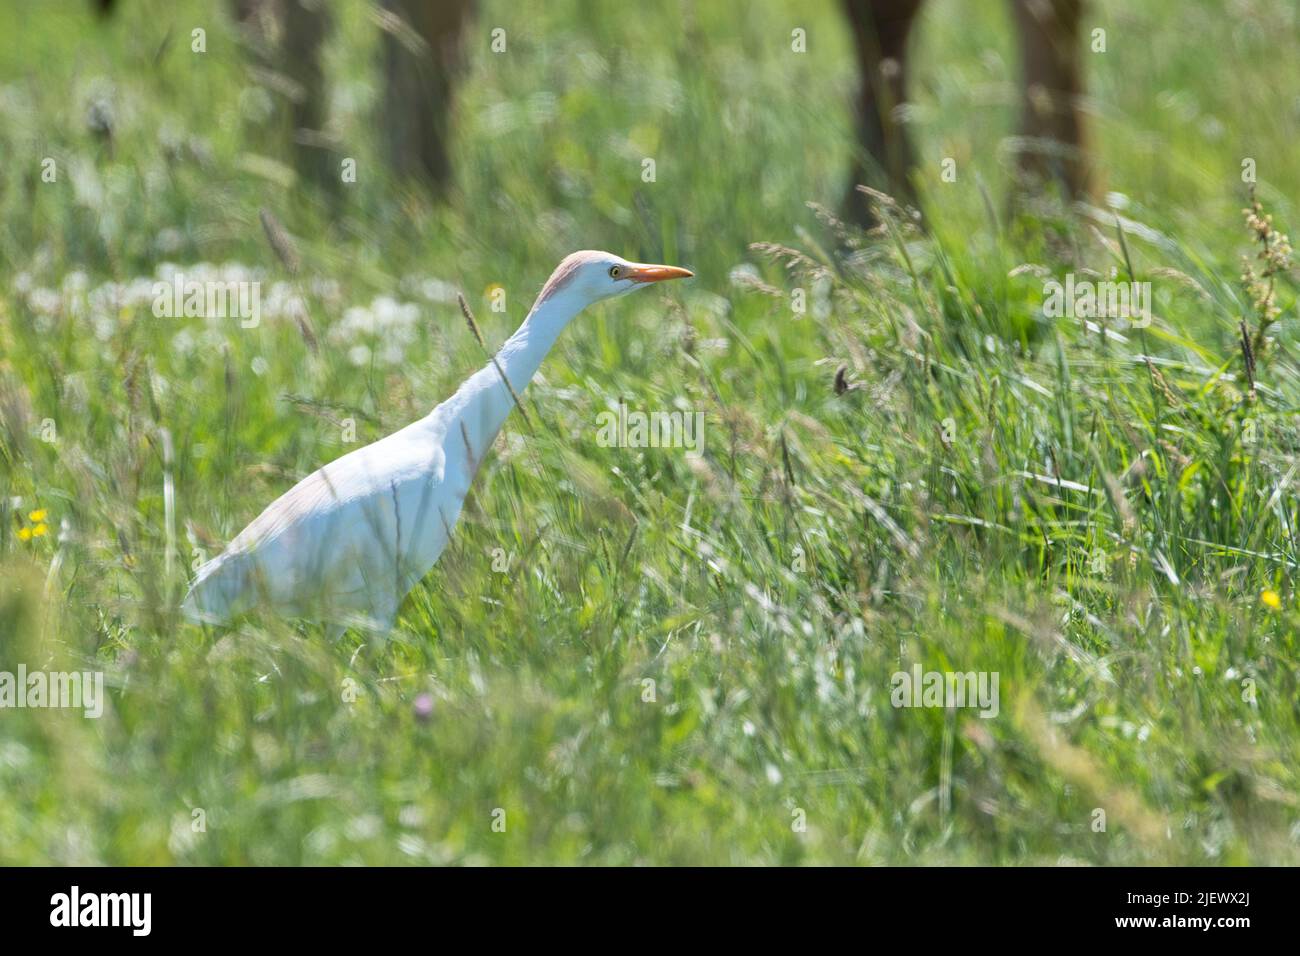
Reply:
x=523, y=352
x=480, y=407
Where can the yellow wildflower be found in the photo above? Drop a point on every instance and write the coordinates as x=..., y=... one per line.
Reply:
x=39, y=530
x=24, y=534
x=39, y=515
x=1271, y=599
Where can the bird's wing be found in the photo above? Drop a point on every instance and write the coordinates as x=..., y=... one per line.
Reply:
x=357, y=534
x=346, y=537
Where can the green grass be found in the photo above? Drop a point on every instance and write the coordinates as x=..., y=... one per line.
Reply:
x=770, y=588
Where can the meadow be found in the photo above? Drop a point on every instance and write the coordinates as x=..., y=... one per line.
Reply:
x=640, y=655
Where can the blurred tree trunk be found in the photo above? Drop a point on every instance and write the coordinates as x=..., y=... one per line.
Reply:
x=306, y=24
x=1051, y=94
x=885, y=158
x=284, y=39
x=422, y=60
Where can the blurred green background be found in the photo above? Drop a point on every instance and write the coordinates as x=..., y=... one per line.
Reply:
x=768, y=589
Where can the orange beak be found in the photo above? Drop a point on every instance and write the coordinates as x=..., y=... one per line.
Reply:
x=641, y=273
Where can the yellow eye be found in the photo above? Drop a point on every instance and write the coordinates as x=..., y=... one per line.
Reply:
x=615, y=272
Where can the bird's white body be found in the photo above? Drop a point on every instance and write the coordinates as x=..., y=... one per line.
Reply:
x=348, y=542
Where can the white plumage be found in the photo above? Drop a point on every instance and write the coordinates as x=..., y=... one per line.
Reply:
x=347, y=543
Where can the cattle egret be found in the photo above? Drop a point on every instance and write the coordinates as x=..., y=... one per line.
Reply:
x=346, y=544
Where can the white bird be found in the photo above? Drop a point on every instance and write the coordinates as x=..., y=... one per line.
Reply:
x=346, y=544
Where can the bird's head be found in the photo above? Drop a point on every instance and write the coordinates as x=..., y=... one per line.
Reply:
x=589, y=276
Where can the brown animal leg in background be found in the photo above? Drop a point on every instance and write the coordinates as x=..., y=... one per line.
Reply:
x=1051, y=119
x=421, y=63
x=880, y=30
